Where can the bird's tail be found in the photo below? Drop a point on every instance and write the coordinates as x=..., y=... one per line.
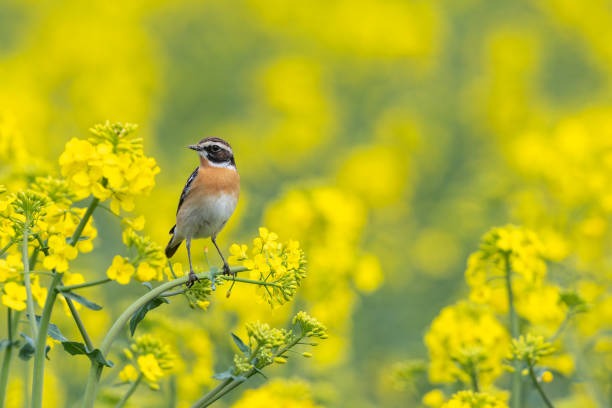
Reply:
x=173, y=244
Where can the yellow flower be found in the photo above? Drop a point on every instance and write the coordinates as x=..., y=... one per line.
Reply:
x=278, y=393
x=7, y=271
x=38, y=293
x=238, y=253
x=149, y=367
x=547, y=376
x=145, y=272
x=60, y=253
x=120, y=270
x=466, y=337
x=14, y=296
x=471, y=399
x=129, y=373
x=434, y=398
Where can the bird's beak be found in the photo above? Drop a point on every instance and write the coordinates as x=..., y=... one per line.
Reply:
x=193, y=147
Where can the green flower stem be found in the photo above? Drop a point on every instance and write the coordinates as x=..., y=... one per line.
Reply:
x=515, y=332
x=77, y=319
x=68, y=288
x=474, y=379
x=28, y=284
x=251, y=281
x=41, y=339
x=229, y=384
x=12, y=320
x=96, y=368
x=538, y=387
x=73, y=241
x=88, y=213
x=41, y=343
x=6, y=247
x=129, y=392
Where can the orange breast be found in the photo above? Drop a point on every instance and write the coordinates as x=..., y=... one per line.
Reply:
x=216, y=180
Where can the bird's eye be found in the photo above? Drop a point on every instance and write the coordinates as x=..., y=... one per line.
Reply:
x=214, y=148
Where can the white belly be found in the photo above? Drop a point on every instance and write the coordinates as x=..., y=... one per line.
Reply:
x=206, y=217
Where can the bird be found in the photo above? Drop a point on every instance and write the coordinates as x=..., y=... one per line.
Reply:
x=207, y=201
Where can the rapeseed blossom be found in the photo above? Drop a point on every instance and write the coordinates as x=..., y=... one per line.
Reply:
x=110, y=164
x=150, y=357
x=279, y=393
x=471, y=399
x=280, y=266
x=465, y=341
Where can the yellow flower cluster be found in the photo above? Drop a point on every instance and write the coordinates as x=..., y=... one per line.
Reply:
x=530, y=348
x=146, y=264
x=281, y=266
x=329, y=222
x=109, y=165
x=464, y=340
x=150, y=358
x=267, y=345
x=516, y=251
x=45, y=210
x=471, y=399
x=278, y=393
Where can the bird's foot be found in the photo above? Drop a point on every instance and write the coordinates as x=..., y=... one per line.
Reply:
x=193, y=278
x=227, y=270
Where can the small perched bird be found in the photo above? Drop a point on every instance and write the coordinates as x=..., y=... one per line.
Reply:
x=208, y=199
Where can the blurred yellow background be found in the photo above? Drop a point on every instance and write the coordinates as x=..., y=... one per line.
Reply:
x=386, y=137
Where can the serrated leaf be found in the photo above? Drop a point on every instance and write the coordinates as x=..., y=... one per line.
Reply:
x=28, y=349
x=75, y=348
x=80, y=299
x=243, y=347
x=142, y=312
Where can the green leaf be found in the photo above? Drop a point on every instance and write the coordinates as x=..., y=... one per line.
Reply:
x=53, y=332
x=28, y=349
x=147, y=285
x=243, y=347
x=75, y=348
x=144, y=309
x=80, y=299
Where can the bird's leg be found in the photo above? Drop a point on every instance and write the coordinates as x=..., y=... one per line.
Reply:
x=192, y=276
x=226, y=268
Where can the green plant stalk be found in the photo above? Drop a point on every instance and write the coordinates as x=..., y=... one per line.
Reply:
x=96, y=368
x=73, y=241
x=515, y=397
x=12, y=321
x=41, y=343
x=539, y=388
x=227, y=386
x=255, y=282
x=77, y=319
x=88, y=213
x=129, y=392
x=474, y=380
x=68, y=288
x=6, y=248
x=41, y=339
x=28, y=284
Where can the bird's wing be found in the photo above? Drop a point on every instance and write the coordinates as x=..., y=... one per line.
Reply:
x=187, y=188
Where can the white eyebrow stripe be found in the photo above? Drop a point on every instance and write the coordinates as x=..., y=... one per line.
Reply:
x=221, y=145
